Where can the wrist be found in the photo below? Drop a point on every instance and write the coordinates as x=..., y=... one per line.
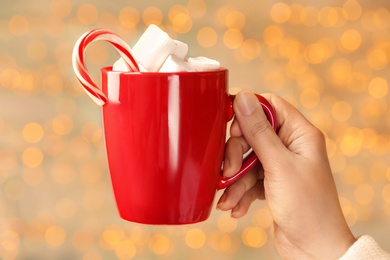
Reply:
x=335, y=247
x=344, y=246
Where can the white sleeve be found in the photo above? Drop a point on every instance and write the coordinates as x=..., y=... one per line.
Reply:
x=365, y=248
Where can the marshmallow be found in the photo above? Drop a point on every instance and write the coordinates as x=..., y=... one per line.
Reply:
x=174, y=63
x=156, y=51
x=181, y=50
x=203, y=64
x=121, y=66
x=153, y=48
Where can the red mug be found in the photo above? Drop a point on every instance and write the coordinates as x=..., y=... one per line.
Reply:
x=165, y=138
x=165, y=135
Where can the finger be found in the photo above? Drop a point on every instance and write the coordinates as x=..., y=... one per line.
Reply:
x=256, y=192
x=235, y=129
x=235, y=148
x=295, y=131
x=256, y=128
x=260, y=171
x=233, y=194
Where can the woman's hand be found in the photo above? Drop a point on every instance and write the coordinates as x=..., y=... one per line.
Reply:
x=294, y=178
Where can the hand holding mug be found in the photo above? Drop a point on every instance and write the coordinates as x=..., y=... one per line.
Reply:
x=295, y=179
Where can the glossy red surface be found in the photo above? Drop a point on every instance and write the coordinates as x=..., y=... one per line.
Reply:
x=165, y=136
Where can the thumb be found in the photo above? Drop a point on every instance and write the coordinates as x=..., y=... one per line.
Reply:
x=256, y=129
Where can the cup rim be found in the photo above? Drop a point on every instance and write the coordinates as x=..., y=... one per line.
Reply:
x=220, y=70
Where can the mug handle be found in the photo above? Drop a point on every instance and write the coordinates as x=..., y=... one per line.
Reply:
x=251, y=160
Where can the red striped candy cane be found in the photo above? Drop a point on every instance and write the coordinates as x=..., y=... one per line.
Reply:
x=78, y=60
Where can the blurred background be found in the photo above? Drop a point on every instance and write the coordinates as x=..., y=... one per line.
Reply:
x=328, y=58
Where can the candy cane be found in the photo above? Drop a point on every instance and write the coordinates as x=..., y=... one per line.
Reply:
x=78, y=61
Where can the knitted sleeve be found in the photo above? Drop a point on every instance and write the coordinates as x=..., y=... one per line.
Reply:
x=365, y=248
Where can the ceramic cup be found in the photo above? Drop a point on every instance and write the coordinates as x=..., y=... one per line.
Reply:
x=165, y=137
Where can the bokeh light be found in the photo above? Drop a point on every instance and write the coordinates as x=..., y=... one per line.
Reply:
x=161, y=244
x=226, y=223
x=280, y=12
x=62, y=125
x=152, y=15
x=222, y=242
x=87, y=14
x=195, y=238
x=262, y=218
x=18, y=25
x=207, y=37
x=352, y=10
x=33, y=132
x=32, y=157
x=250, y=49
x=197, y=8
x=55, y=235
x=129, y=17
x=255, y=237
x=235, y=20
x=378, y=87
x=273, y=35
x=233, y=38
x=350, y=40
x=180, y=19
x=309, y=16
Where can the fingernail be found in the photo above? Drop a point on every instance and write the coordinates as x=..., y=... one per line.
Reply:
x=234, y=213
x=226, y=165
x=221, y=201
x=247, y=103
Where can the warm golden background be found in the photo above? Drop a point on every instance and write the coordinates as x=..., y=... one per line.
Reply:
x=329, y=58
